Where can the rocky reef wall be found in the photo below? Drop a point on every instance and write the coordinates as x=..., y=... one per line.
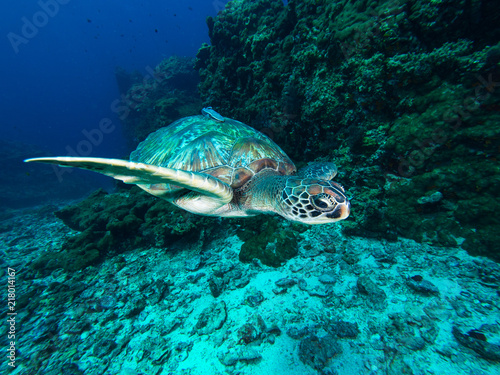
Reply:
x=403, y=95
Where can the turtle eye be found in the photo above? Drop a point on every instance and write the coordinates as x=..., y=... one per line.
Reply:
x=323, y=202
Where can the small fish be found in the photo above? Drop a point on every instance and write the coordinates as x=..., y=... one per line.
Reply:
x=208, y=111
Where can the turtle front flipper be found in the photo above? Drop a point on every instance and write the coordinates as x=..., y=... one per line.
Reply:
x=213, y=193
x=322, y=170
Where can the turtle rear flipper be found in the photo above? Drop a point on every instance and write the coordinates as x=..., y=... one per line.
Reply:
x=213, y=193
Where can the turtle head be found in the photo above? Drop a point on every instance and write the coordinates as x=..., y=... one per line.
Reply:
x=313, y=201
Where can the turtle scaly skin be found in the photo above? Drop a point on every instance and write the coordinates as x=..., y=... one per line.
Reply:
x=216, y=166
x=306, y=200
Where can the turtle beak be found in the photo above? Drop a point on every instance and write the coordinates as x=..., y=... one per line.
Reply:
x=347, y=209
x=340, y=212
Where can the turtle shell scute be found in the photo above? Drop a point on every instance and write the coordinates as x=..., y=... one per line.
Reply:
x=230, y=151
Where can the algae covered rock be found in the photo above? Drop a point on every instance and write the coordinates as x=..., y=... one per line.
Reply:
x=269, y=240
x=317, y=352
x=211, y=319
x=118, y=222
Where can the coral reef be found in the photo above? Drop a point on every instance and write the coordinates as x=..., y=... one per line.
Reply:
x=110, y=224
x=402, y=95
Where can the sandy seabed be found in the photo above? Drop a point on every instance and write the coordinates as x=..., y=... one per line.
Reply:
x=364, y=307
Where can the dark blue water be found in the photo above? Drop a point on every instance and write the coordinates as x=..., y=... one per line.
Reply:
x=58, y=59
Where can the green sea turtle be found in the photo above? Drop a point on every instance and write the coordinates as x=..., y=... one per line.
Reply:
x=216, y=166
